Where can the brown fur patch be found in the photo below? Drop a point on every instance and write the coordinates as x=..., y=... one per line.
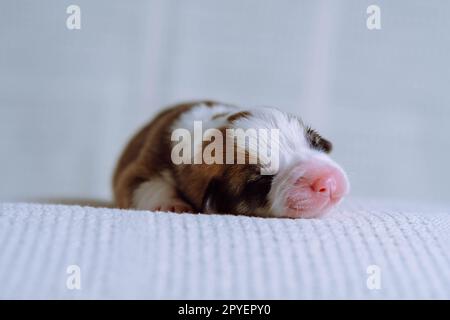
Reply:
x=240, y=190
x=216, y=116
x=147, y=153
x=238, y=115
x=232, y=188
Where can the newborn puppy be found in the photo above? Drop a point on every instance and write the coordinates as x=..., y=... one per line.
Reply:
x=292, y=176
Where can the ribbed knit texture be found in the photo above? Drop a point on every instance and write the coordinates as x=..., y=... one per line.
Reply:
x=130, y=254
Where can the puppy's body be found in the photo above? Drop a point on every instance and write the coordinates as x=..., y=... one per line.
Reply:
x=306, y=184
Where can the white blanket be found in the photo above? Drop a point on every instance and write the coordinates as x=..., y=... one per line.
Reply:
x=130, y=254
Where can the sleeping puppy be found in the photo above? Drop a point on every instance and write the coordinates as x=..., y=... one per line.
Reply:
x=211, y=157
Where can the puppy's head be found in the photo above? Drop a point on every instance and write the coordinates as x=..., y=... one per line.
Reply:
x=291, y=174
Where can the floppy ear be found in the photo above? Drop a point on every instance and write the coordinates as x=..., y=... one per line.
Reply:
x=317, y=142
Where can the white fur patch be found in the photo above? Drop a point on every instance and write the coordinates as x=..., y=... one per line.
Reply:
x=154, y=193
x=205, y=114
x=292, y=144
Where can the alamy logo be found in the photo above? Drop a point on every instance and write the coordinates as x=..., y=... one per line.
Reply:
x=73, y=281
x=73, y=21
x=252, y=146
x=374, y=279
x=373, y=21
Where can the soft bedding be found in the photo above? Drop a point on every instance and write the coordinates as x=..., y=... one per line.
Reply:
x=359, y=251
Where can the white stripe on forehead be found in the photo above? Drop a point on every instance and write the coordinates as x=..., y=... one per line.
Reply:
x=206, y=114
x=293, y=145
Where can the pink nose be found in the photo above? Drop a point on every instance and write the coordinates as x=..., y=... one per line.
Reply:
x=320, y=186
x=330, y=182
x=325, y=185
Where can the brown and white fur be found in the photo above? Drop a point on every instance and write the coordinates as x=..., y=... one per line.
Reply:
x=307, y=183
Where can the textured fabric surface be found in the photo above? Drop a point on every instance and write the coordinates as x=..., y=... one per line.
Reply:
x=128, y=254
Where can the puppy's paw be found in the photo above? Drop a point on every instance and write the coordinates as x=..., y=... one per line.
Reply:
x=173, y=205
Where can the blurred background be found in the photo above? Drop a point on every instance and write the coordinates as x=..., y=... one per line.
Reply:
x=70, y=99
